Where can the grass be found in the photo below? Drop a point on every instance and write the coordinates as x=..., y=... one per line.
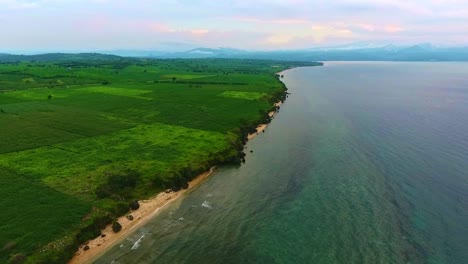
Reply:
x=242, y=95
x=154, y=150
x=135, y=93
x=72, y=125
x=29, y=211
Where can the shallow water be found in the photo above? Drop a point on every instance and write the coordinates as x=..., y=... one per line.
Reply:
x=365, y=163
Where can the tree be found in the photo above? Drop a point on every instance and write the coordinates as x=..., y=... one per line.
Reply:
x=134, y=205
x=49, y=96
x=174, y=79
x=116, y=227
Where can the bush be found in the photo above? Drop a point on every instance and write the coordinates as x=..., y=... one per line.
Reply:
x=119, y=185
x=92, y=228
x=159, y=181
x=134, y=205
x=116, y=227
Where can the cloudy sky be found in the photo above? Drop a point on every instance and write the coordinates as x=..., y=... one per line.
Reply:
x=245, y=24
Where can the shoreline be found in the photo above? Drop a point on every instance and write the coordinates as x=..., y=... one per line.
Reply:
x=148, y=209
x=261, y=127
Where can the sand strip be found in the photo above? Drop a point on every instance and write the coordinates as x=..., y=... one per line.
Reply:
x=148, y=209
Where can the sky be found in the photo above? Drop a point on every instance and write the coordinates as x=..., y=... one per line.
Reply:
x=87, y=25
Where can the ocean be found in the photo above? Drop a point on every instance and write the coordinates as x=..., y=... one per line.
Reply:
x=366, y=162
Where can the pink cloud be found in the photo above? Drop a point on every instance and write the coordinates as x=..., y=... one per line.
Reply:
x=199, y=32
x=393, y=29
x=367, y=27
x=271, y=21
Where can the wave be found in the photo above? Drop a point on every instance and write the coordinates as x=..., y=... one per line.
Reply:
x=207, y=204
x=136, y=245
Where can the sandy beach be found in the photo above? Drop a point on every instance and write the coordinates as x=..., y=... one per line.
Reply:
x=148, y=209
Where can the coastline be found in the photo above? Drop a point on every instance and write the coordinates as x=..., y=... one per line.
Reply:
x=148, y=209
x=261, y=127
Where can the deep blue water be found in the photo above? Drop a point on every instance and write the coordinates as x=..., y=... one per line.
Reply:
x=367, y=162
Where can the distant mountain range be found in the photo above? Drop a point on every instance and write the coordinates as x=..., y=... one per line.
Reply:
x=422, y=52
x=353, y=52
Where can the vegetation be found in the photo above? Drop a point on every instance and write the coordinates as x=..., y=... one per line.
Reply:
x=84, y=137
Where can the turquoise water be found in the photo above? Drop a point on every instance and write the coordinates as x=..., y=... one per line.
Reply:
x=365, y=163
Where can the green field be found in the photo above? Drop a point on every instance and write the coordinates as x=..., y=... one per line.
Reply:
x=82, y=136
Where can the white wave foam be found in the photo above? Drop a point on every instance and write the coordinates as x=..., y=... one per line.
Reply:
x=137, y=244
x=207, y=204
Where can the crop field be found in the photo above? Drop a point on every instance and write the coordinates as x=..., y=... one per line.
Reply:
x=81, y=137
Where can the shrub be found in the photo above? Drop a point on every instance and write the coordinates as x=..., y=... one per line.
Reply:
x=116, y=227
x=134, y=205
x=119, y=185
